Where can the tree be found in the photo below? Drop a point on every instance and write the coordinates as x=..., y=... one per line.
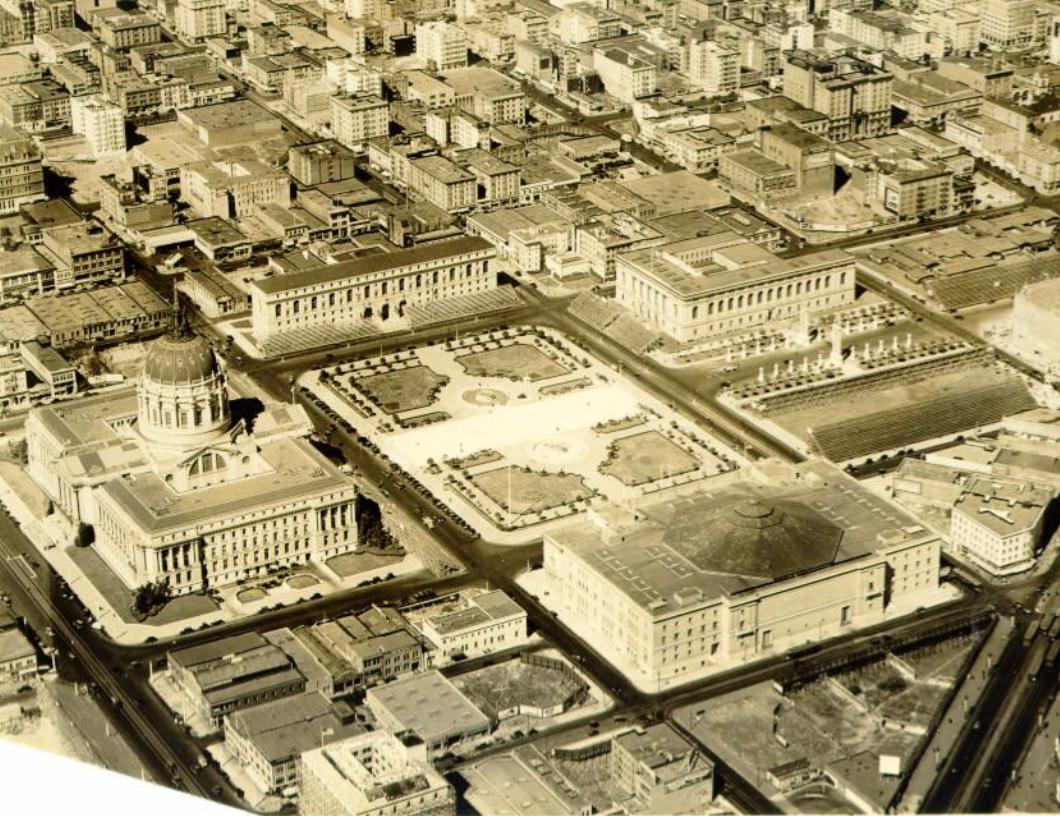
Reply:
x=371, y=531
x=18, y=451
x=151, y=597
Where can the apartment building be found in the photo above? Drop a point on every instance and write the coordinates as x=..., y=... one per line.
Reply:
x=443, y=45
x=122, y=30
x=21, y=173
x=713, y=68
x=82, y=253
x=196, y=20
x=443, y=183
x=999, y=523
x=232, y=189
x=102, y=123
x=855, y=95
x=357, y=119
x=374, y=774
x=625, y=75
x=1007, y=23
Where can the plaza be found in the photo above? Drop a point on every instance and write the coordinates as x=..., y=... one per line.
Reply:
x=517, y=429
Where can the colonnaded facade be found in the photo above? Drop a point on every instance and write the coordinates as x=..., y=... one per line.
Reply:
x=167, y=483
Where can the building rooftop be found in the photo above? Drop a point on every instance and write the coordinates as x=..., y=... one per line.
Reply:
x=371, y=773
x=283, y=730
x=733, y=264
x=679, y=191
x=1003, y=506
x=430, y=706
x=217, y=649
x=229, y=114
x=295, y=470
x=425, y=253
x=14, y=645
x=686, y=550
x=656, y=745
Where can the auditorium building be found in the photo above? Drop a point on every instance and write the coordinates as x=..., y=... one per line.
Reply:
x=672, y=589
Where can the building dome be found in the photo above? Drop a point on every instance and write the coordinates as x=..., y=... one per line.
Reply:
x=752, y=536
x=183, y=391
x=180, y=359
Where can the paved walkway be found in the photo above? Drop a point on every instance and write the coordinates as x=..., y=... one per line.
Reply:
x=1036, y=786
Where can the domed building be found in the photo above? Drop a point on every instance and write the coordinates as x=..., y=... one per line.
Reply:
x=675, y=587
x=166, y=485
x=183, y=393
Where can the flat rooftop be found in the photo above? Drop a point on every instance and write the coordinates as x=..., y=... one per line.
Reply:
x=431, y=706
x=426, y=253
x=687, y=550
x=679, y=191
x=297, y=470
x=229, y=114
x=745, y=264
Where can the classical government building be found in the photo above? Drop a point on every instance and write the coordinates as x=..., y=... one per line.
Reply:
x=673, y=587
x=376, y=287
x=721, y=283
x=180, y=483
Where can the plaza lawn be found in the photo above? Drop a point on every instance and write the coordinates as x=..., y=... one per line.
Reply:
x=349, y=564
x=515, y=362
x=403, y=390
x=250, y=595
x=646, y=457
x=531, y=492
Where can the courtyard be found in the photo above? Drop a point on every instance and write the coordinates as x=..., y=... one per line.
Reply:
x=520, y=686
x=517, y=429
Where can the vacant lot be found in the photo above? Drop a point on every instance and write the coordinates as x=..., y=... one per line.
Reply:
x=521, y=491
x=646, y=457
x=518, y=361
x=403, y=390
x=514, y=683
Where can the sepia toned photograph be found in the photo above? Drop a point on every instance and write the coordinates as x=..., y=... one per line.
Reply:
x=530, y=407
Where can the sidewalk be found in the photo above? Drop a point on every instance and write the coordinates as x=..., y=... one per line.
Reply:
x=52, y=537
x=180, y=705
x=251, y=793
x=536, y=584
x=964, y=700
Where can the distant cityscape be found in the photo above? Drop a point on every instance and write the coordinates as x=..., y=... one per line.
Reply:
x=532, y=407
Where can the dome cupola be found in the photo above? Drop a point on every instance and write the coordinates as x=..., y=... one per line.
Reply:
x=183, y=392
